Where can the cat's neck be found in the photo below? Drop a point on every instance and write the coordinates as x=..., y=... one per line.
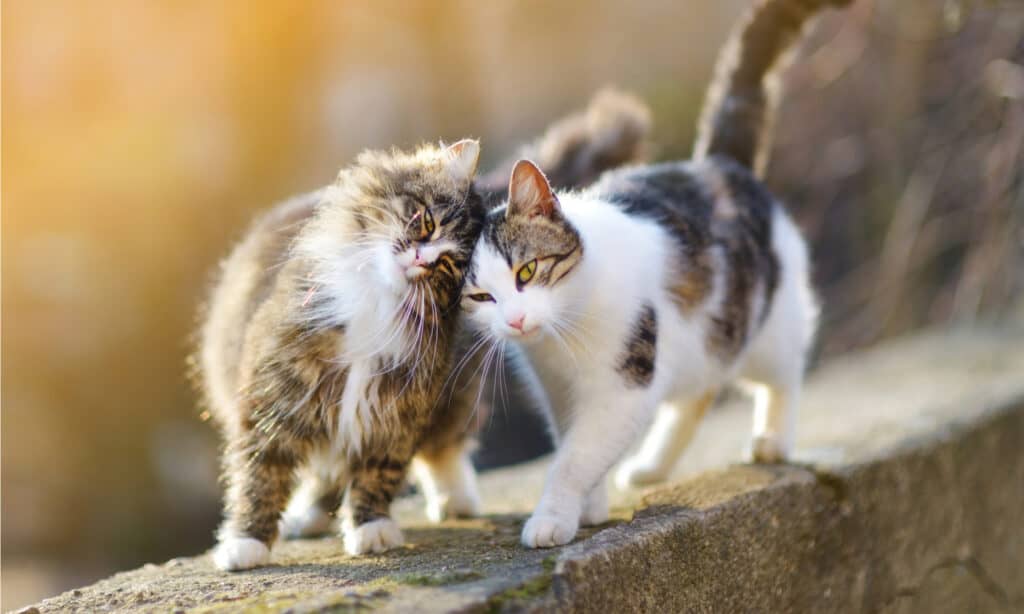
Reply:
x=622, y=264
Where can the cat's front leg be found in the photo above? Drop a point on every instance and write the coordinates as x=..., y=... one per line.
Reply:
x=595, y=506
x=366, y=512
x=602, y=429
x=259, y=476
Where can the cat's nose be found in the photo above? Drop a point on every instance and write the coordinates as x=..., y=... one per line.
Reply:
x=420, y=260
x=517, y=323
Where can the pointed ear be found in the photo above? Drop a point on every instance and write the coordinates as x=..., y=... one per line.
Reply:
x=529, y=192
x=462, y=159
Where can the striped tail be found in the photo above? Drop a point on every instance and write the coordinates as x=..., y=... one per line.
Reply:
x=738, y=111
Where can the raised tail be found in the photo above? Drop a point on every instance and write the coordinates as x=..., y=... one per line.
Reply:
x=612, y=131
x=739, y=108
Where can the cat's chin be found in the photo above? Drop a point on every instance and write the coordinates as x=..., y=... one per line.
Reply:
x=526, y=338
x=402, y=281
x=415, y=272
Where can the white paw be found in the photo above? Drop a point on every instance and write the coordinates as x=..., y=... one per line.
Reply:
x=457, y=505
x=309, y=522
x=768, y=449
x=375, y=536
x=235, y=553
x=544, y=530
x=635, y=473
x=595, y=509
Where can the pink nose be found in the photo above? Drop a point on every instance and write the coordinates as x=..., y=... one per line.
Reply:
x=517, y=323
x=419, y=261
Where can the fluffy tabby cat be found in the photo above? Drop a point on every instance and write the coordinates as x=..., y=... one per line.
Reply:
x=653, y=289
x=329, y=337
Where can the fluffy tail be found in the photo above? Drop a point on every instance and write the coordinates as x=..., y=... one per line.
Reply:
x=574, y=151
x=738, y=112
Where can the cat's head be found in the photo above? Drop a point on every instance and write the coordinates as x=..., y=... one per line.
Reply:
x=408, y=221
x=523, y=262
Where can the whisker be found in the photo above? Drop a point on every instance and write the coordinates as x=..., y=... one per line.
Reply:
x=568, y=350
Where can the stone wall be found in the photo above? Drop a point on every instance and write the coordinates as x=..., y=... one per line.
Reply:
x=907, y=496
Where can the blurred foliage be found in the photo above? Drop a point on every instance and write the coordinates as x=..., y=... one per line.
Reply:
x=901, y=150
x=138, y=138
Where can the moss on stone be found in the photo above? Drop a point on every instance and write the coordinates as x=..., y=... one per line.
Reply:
x=296, y=602
x=533, y=589
x=456, y=576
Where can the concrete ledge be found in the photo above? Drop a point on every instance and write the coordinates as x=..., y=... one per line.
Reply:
x=909, y=498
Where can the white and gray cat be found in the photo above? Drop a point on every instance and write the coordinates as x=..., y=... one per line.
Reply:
x=640, y=298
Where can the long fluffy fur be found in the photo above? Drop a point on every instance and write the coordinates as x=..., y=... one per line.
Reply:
x=322, y=356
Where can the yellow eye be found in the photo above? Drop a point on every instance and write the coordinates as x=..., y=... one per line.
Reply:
x=426, y=224
x=481, y=297
x=526, y=272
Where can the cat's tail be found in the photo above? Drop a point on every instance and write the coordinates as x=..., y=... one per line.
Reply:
x=612, y=131
x=737, y=116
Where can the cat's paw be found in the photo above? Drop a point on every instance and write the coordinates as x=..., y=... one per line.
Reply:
x=237, y=553
x=464, y=504
x=309, y=522
x=544, y=530
x=635, y=473
x=768, y=450
x=374, y=536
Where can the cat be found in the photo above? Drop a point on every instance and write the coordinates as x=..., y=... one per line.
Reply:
x=328, y=340
x=648, y=292
x=329, y=336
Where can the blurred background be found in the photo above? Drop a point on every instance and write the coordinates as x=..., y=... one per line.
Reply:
x=139, y=138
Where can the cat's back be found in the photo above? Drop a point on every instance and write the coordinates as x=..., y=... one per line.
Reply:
x=722, y=219
x=246, y=279
x=700, y=202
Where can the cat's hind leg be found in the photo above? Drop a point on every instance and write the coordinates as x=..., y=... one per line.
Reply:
x=312, y=510
x=448, y=481
x=673, y=429
x=442, y=465
x=773, y=372
x=775, y=414
x=778, y=355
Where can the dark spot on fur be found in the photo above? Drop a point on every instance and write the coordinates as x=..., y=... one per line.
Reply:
x=752, y=265
x=676, y=198
x=637, y=362
x=708, y=207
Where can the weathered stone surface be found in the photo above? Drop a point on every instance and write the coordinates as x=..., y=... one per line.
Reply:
x=909, y=498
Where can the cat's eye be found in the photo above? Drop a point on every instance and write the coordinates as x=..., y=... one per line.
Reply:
x=481, y=297
x=525, y=273
x=426, y=224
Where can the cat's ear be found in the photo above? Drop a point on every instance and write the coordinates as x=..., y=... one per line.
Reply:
x=462, y=159
x=529, y=192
